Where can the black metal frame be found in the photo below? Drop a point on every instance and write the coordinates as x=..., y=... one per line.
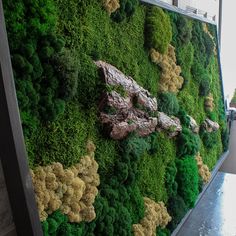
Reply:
x=12, y=148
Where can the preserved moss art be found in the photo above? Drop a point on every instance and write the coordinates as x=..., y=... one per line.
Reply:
x=143, y=182
x=203, y=169
x=72, y=190
x=155, y=215
x=170, y=81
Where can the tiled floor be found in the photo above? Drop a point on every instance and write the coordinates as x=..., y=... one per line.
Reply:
x=214, y=215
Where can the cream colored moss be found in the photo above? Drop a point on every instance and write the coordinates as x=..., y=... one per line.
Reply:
x=203, y=169
x=71, y=190
x=155, y=215
x=111, y=5
x=209, y=102
x=170, y=81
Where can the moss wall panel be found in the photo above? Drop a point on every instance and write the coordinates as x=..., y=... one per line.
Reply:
x=115, y=146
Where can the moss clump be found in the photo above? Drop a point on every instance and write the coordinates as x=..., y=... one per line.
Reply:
x=150, y=162
x=168, y=103
x=188, y=143
x=155, y=215
x=158, y=29
x=187, y=179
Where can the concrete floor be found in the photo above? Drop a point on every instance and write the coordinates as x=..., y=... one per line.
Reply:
x=214, y=215
x=229, y=165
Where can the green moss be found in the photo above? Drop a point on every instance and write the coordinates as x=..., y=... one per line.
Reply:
x=152, y=168
x=187, y=179
x=211, y=156
x=188, y=143
x=59, y=92
x=185, y=54
x=158, y=29
x=126, y=9
x=168, y=103
x=177, y=209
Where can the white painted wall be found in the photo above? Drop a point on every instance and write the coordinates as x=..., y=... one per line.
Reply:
x=209, y=6
x=167, y=1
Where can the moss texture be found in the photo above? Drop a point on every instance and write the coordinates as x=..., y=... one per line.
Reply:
x=54, y=44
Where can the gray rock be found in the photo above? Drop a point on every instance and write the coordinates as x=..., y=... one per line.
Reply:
x=171, y=125
x=210, y=125
x=193, y=125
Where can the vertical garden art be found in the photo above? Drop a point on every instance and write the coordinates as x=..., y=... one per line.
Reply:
x=122, y=111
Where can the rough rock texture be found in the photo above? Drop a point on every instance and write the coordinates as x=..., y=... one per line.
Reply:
x=155, y=215
x=134, y=111
x=170, y=125
x=111, y=5
x=126, y=114
x=210, y=125
x=170, y=81
x=209, y=102
x=71, y=190
x=193, y=125
x=115, y=77
x=203, y=169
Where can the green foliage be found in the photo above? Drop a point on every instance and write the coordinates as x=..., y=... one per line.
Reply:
x=126, y=9
x=209, y=45
x=133, y=148
x=48, y=76
x=187, y=143
x=209, y=139
x=67, y=67
x=158, y=29
x=203, y=44
x=184, y=27
x=225, y=139
x=27, y=19
x=57, y=224
x=162, y=232
x=213, y=31
x=41, y=74
x=121, y=200
x=187, y=179
x=185, y=54
x=212, y=115
x=184, y=118
x=204, y=87
x=88, y=82
x=177, y=209
x=170, y=183
x=63, y=140
x=168, y=103
x=152, y=168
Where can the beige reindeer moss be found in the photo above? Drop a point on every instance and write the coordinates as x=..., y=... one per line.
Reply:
x=111, y=5
x=170, y=81
x=209, y=102
x=203, y=169
x=71, y=190
x=155, y=215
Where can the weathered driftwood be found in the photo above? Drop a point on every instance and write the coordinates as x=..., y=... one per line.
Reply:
x=193, y=125
x=115, y=77
x=170, y=125
x=210, y=125
x=122, y=115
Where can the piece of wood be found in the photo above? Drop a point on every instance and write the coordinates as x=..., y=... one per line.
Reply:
x=12, y=148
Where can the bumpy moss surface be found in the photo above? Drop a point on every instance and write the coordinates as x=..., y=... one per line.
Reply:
x=54, y=44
